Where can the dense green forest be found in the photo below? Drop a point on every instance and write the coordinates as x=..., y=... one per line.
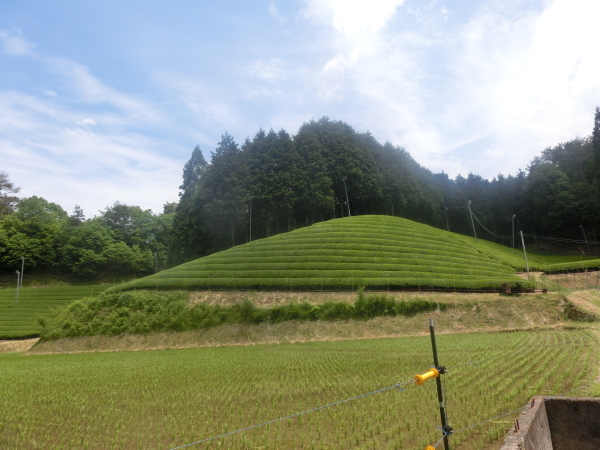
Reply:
x=276, y=182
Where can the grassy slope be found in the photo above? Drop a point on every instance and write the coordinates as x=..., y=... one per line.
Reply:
x=20, y=321
x=374, y=251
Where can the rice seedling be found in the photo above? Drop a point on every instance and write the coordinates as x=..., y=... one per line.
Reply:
x=165, y=399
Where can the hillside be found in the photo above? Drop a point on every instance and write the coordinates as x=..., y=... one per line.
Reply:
x=20, y=321
x=373, y=251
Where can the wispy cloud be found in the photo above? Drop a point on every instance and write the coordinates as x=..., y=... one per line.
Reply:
x=80, y=144
x=521, y=74
x=14, y=44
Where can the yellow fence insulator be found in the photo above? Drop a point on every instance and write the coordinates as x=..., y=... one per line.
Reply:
x=433, y=373
x=430, y=447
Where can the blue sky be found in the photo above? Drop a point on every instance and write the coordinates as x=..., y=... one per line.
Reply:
x=105, y=100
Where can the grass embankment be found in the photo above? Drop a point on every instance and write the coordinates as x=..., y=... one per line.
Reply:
x=167, y=320
x=144, y=312
x=378, y=252
x=21, y=321
x=164, y=399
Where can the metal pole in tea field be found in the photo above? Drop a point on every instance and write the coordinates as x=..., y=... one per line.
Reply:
x=445, y=428
x=525, y=254
x=585, y=239
x=472, y=223
x=513, y=230
x=347, y=201
x=18, y=285
x=22, y=269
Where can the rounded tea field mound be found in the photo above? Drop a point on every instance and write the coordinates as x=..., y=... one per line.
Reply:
x=372, y=251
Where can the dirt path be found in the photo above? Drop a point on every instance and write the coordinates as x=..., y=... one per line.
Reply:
x=16, y=346
x=586, y=300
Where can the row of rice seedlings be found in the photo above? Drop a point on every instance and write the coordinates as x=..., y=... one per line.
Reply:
x=164, y=399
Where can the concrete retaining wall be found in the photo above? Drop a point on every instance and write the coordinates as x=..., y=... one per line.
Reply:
x=557, y=423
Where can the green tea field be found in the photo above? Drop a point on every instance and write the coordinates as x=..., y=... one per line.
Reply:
x=170, y=398
x=21, y=320
x=373, y=251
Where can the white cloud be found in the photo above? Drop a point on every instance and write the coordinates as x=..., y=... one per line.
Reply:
x=49, y=157
x=523, y=75
x=274, y=12
x=88, y=121
x=209, y=106
x=353, y=17
x=269, y=70
x=14, y=44
x=48, y=153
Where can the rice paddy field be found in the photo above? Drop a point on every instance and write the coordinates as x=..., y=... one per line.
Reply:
x=166, y=399
x=21, y=320
x=378, y=252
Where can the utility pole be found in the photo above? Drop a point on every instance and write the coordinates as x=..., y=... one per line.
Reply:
x=347, y=201
x=525, y=255
x=585, y=239
x=513, y=230
x=472, y=223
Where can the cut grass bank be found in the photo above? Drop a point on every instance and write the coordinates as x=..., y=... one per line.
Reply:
x=462, y=313
x=144, y=312
x=378, y=252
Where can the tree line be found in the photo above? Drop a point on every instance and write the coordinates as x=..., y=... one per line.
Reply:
x=122, y=240
x=276, y=182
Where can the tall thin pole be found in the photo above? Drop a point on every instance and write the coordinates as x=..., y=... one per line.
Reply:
x=513, y=230
x=347, y=201
x=585, y=239
x=440, y=391
x=525, y=254
x=18, y=286
x=472, y=223
x=22, y=269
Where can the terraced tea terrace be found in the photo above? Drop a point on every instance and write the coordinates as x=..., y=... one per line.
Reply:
x=21, y=320
x=166, y=399
x=373, y=251
x=378, y=252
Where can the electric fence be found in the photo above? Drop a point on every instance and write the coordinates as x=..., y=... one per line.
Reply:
x=535, y=236
x=291, y=416
x=434, y=372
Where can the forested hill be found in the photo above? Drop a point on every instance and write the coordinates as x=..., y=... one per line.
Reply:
x=277, y=182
